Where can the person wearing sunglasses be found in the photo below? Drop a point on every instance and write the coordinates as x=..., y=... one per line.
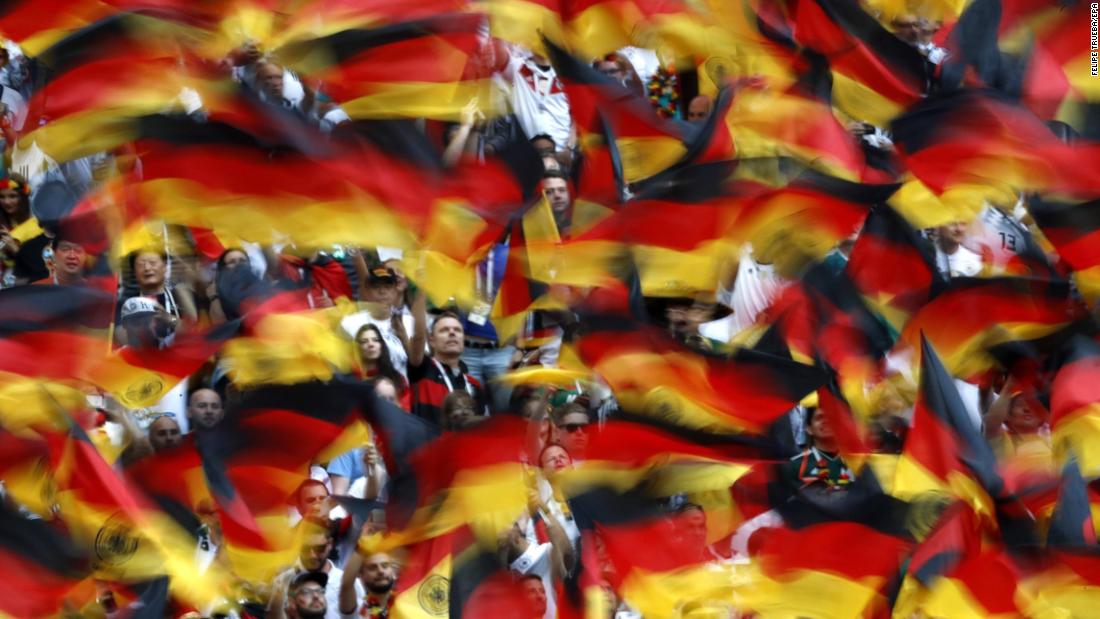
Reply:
x=571, y=422
x=317, y=543
x=308, y=598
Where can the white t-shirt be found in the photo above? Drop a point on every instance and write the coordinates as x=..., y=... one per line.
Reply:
x=962, y=263
x=538, y=99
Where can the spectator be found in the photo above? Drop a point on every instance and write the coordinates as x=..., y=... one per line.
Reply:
x=555, y=186
x=359, y=463
x=433, y=376
x=699, y=108
x=820, y=466
x=150, y=268
x=534, y=591
x=486, y=357
x=379, y=288
x=204, y=409
x=313, y=562
x=312, y=502
x=164, y=432
x=376, y=362
x=386, y=390
x=308, y=598
x=67, y=263
x=538, y=97
x=234, y=281
x=366, y=589
x=571, y=422
x=459, y=411
x=953, y=259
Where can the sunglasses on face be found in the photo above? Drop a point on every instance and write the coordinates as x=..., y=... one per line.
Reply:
x=575, y=427
x=320, y=548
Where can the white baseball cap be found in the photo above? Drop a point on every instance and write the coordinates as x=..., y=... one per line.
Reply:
x=139, y=306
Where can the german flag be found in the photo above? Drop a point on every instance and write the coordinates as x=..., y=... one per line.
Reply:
x=981, y=139
x=1074, y=402
x=876, y=75
x=132, y=539
x=824, y=318
x=415, y=69
x=1071, y=525
x=41, y=566
x=892, y=266
x=944, y=450
x=38, y=25
x=1072, y=228
x=647, y=143
x=51, y=337
x=139, y=377
x=812, y=571
x=598, y=27
x=648, y=371
x=985, y=584
x=468, y=477
x=974, y=315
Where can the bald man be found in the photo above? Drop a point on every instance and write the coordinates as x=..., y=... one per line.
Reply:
x=699, y=108
x=204, y=409
x=164, y=433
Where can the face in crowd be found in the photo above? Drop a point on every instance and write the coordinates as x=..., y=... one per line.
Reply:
x=205, y=408
x=164, y=433
x=447, y=338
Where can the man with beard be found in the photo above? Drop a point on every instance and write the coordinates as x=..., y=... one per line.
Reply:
x=376, y=574
x=204, y=409
x=313, y=559
x=307, y=596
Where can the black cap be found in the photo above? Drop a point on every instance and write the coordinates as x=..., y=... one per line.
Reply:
x=320, y=578
x=382, y=275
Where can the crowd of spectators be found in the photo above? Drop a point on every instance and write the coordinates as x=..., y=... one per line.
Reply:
x=446, y=364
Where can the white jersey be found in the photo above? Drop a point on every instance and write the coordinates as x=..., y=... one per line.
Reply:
x=538, y=100
x=998, y=236
x=962, y=263
x=756, y=288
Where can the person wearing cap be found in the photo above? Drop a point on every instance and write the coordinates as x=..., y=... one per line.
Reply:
x=144, y=324
x=379, y=288
x=313, y=562
x=307, y=597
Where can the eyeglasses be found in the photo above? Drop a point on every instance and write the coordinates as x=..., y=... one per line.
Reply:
x=575, y=427
x=311, y=591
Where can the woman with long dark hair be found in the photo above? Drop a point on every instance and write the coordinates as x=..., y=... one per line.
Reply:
x=374, y=361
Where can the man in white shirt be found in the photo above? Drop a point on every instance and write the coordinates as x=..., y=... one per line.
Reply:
x=538, y=97
x=752, y=290
x=316, y=546
x=952, y=258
